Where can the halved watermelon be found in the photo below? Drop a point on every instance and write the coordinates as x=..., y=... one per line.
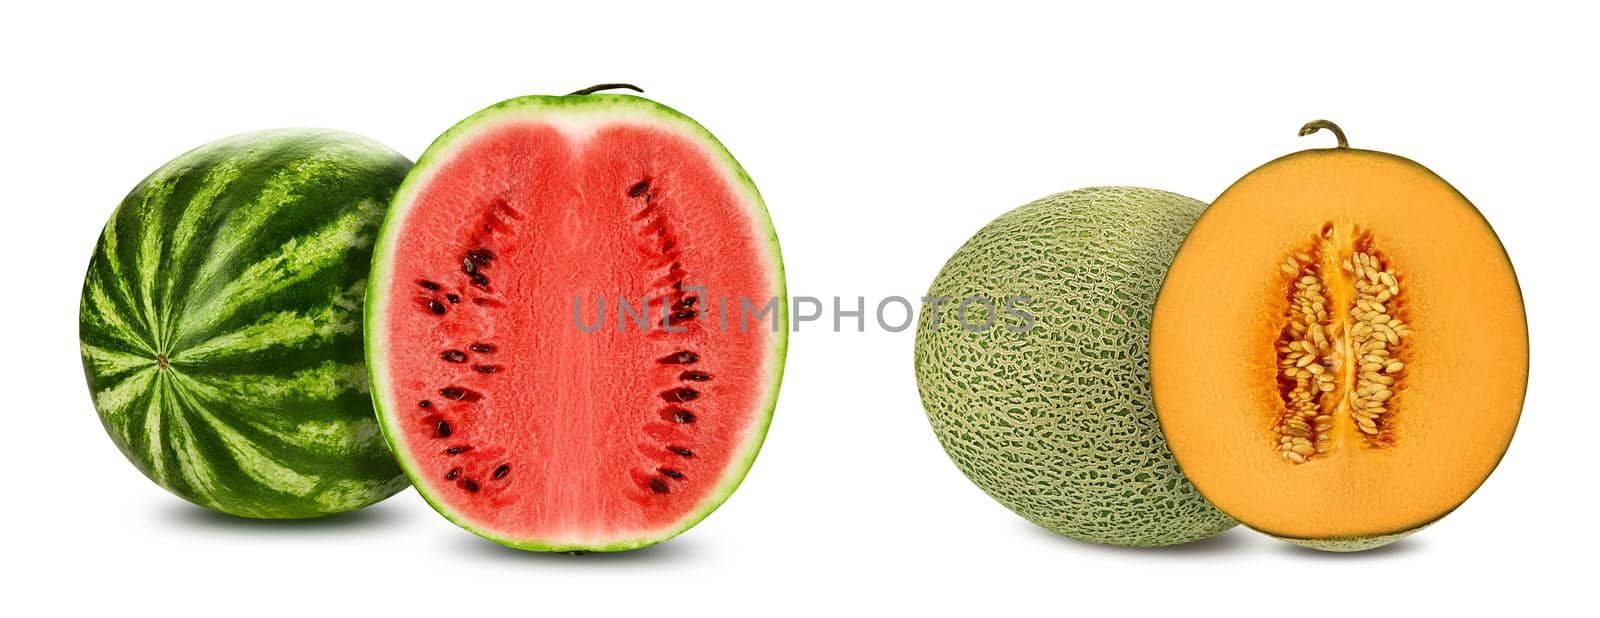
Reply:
x=515, y=413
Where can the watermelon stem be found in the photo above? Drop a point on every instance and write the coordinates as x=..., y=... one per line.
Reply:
x=598, y=87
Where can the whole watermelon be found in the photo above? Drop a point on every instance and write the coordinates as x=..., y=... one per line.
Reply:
x=220, y=324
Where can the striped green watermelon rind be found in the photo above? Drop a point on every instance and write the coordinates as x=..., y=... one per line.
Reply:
x=441, y=151
x=220, y=324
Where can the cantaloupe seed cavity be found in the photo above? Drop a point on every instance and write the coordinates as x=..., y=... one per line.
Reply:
x=1340, y=352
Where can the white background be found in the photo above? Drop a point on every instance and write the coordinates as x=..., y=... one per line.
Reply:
x=882, y=137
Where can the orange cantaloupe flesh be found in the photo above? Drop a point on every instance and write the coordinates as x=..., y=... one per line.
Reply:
x=1222, y=326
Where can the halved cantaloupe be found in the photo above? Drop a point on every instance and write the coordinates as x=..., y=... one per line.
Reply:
x=1339, y=352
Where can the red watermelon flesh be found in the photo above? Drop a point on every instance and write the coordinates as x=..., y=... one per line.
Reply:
x=516, y=417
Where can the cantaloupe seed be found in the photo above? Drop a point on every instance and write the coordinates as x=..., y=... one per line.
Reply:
x=1338, y=363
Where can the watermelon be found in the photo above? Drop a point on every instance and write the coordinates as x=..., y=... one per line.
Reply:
x=220, y=324
x=522, y=404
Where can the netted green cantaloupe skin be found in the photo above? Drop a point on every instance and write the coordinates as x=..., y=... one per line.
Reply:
x=1349, y=545
x=1057, y=423
x=1355, y=543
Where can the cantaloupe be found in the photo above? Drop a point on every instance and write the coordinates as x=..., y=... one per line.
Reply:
x=1048, y=409
x=1339, y=351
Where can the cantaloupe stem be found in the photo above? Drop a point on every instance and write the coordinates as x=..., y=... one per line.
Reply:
x=1317, y=125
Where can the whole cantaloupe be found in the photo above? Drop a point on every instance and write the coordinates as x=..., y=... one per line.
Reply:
x=1048, y=409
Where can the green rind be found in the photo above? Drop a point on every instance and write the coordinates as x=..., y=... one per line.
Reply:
x=242, y=262
x=1057, y=423
x=439, y=151
x=1349, y=544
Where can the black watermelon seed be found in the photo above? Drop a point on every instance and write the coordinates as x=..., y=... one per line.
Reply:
x=435, y=307
x=451, y=392
x=479, y=280
x=681, y=394
x=694, y=376
x=481, y=348
x=452, y=298
x=683, y=316
x=428, y=285
x=485, y=368
x=659, y=486
x=424, y=404
x=480, y=255
x=502, y=471
x=469, y=485
x=686, y=302
x=443, y=428
x=453, y=356
x=682, y=416
x=680, y=451
x=639, y=188
x=468, y=266
x=452, y=474
x=457, y=450
x=671, y=473
x=681, y=358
